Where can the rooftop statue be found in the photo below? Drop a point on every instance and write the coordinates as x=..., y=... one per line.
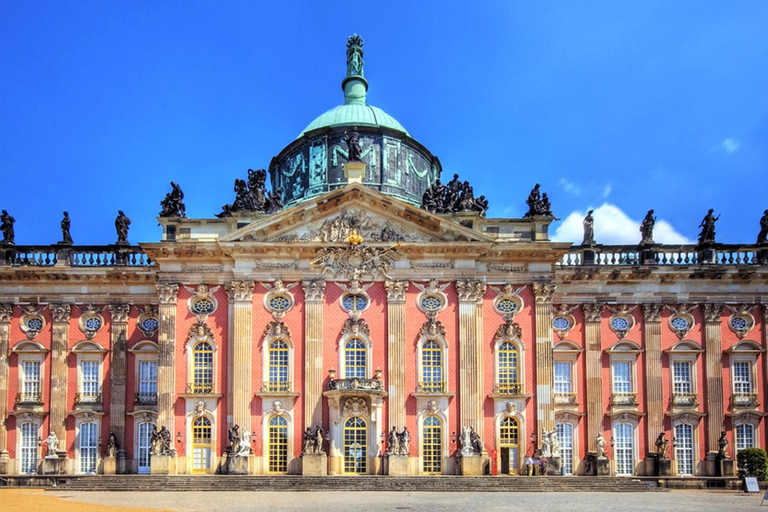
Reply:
x=355, y=56
x=173, y=204
x=66, y=238
x=589, y=229
x=454, y=197
x=354, y=147
x=121, y=226
x=646, y=228
x=762, y=237
x=252, y=196
x=6, y=226
x=538, y=204
x=707, y=235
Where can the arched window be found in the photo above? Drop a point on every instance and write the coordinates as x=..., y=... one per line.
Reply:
x=278, y=370
x=202, y=367
x=684, y=448
x=625, y=449
x=565, y=440
x=201, y=445
x=88, y=447
x=355, y=359
x=432, y=446
x=278, y=445
x=28, y=446
x=509, y=441
x=508, y=369
x=355, y=446
x=432, y=380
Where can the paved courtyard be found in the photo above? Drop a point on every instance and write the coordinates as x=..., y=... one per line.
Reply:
x=61, y=501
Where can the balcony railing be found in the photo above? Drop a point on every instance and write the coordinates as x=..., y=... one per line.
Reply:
x=200, y=388
x=73, y=256
x=744, y=400
x=431, y=387
x=87, y=398
x=624, y=398
x=145, y=399
x=29, y=398
x=356, y=384
x=684, y=399
x=666, y=255
x=276, y=387
x=565, y=398
x=509, y=388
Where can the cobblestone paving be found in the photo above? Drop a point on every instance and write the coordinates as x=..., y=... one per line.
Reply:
x=679, y=501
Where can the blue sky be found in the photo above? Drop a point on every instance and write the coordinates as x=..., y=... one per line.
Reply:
x=619, y=106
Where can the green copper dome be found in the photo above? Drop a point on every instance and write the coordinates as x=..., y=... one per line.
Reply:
x=355, y=111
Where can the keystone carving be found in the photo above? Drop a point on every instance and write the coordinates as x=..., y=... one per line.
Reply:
x=313, y=290
x=432, y=328
x=355, y=328
x=168, y=293
x=200, y=331
x=276, y=329
x=60, y=312
x=543, y=292
x=509, y=330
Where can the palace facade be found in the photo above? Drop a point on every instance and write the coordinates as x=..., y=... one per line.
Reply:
x=361, y=296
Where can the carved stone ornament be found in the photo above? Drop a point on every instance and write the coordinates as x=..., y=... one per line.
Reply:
x=167, y=293
x=357, y=327
x=60, y=313
x=278, y=300
x=652, y=312
x=622, y=321
x=510, y=409
x=681, y=321
x=277, y=409
x=470, y=291
x=396, y=290
x=355, y=407
x=240, y=291
x=508, y=301
x=6, y=313
x=509, y=331
x=200, y=408
x=276, y=329
x=339, y=228
x=354, y=289
x=355, y=261
x=431, y=299
x=200, y=331
x=431, y=407
x=562, y=320
x=741, y=320
x=542, y=292
x=764, y=307
x=201, y=302
x=31, y=321
x=712, y=312
x=90, y=321
x=148, y=322
x=432, y=329
x=453, y=198
x=119, y=313
x=313, y=290
x=593, y=312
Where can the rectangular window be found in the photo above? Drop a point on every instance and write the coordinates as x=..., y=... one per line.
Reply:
x=684, y=449
x=681, y=375
x=90, y=384
x=147, y=381
x=88, y=448
x=625, y=449
x=563, y=378
x=745, y=436
x=742, y=377
x=621, y=378
x=30, y=390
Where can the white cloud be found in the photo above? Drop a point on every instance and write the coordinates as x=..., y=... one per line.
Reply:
x=614, y=227
x=570, y=186
x=607, y=190
x=729, y=145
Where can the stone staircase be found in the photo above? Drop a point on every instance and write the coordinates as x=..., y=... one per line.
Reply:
x=353, y=483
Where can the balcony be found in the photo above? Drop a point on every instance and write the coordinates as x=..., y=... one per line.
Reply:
x=508, y=388
x=200, y=388
x=624, y=398
x=27, y=398
x=276, y=387
x=684, y=399
x=565, y=398
x=145, y=399
x=745, y=400
x=431, y=387
x=87, y=398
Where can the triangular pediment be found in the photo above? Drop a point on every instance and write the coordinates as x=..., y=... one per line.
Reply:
x=330, y=218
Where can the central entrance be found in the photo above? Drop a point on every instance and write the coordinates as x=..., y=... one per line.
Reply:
x=509, y=446
x=201, y=445
x=355, y=446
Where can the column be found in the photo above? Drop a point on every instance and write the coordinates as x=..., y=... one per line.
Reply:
x=241, y=296
x=470, y=369
x=118, y=365
x=59, y=341
x=313, y=352
x=166, y=342
x=653, y=386
x=545, y=413
x=6, y=313
x=714, y=362
x=396, y=351
x=592, y=314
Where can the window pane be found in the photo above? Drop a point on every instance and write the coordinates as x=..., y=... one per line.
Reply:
x=147, y=378
x=621, y=380
x=562, y=377
x=742, y=377
x=681, y=373
x=90, y=371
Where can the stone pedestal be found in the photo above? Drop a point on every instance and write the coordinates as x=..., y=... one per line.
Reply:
x=54, y=464
x=109, y=466
x=554, y=466
x=354, y=172
x=472, y=465
x=161, y=465
x=603, y=466
x=725, y=467
x=664, y=467
x=314, y=465
x=5, y=462
x=397, y=465
x=711, y=464
x=237, y=465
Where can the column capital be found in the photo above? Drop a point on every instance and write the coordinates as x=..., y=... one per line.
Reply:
x=168, y=293
x=764, y=309
x=240, y=291
x=6, y=312
x=712, y=312
x=470, y=291
x=396, y=290
x=60, y=312
x=119, y=313
x=542, y=292
x=593, y=312
x=313, y=290
x=652, y=312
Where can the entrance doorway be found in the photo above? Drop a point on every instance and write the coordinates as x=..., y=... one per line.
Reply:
x=278, y=445
x=201, y=445
x=432, y=446
x=355, y=446
x=144, y=446
x=509, y=445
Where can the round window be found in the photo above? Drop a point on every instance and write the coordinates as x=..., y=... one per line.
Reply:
x=279, y=303
x=203, y=306
x=620, y=323
x=149, y=324
x=354, y=302
x=739, y=323
x=92, y=323
x=561, y=323
x=34, y=324
x=680, y=323
x=431, y=303
x=507, y=306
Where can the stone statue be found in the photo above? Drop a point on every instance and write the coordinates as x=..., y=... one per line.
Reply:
x=546, y=205
x=600, y=443
x=404, y=442
x=355, y=55
x=252, y=196
x=319, y=439
x=546, y=448
x=121, y=226
x=173, y=204
x=354, y=148
x=244, y=445
x=452, y=192
x=477, y=444
x=393, y=442
x=481, y=205
x=554, y=443
x=308, y=444
x=160, y=441
x=646, y=228
x=66, y=238
x=762, y=237
x=233, y=434
x=661, y=446
x=154, y=441
x=722, y=444
x=466, y=442
x=53, y=444
x=112, y=445
x=707, y=235
x=453, y=198
x=538, y=205
x=6, y=226
x=589, y=229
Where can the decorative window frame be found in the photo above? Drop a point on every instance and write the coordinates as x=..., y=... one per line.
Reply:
x=30, y=313
x=745, y=351
x=38, y=422
x=564, y=311
x=438, y=408
x=201, y=332
x=508, y=293
x=634, y=420
x=433, y=288
x=622, y=311
x=205, y=407
x=143, y=351
x=684, y=351
x=88, y=313
x=513, y=333
x=146, y=314
x=80, y=419
x=355, y=329
x=279, y=289
x=747, y=419
x=142, y=416
x=432, y=330
x=89, y=351
x=275, y=331
x=624, y=351
x=567, y=351
x=742, y=311
x=202, y=292
x=681, y=311
x=36, y=353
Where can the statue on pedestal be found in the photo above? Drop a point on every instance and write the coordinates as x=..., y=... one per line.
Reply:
x=646, y=228
x=600, y=444
x=661, y=446
x=722, y=444
x=393, y=442
x=173, y=204
x=707, y=235
x=160, y=441
x=319, y=439
x=112, y=446
x=762, y=237
x=53, y=444
x=121, y=226
x=308, y=444
x=353, y=144
x=66, y=238
x=404, y=442
x=6, y=226
x=589, y=229
x=233, y=434
x=244, y=444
